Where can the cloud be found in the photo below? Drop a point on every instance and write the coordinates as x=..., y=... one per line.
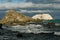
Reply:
x=35, y=11
x=14, y=5
x=57, y=0
x=56, y=6
x=23, y=5
x=28, y=5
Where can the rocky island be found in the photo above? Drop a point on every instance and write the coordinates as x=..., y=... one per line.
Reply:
x=13, y=18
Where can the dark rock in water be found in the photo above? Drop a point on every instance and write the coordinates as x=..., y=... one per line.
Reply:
x=46, y=34
x=1, y=26
x=57, y=35
x=19, y=35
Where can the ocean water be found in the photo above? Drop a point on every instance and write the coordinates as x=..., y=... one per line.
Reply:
x=8, y=33
x=33, y=32
x=32, y=28
x=11, y=34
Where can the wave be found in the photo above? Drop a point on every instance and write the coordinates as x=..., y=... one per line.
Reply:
x=28, y=29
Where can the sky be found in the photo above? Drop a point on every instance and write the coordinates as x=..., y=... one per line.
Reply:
x=33, y=6
x=34, y=1
x=12, y=1
x=30, y=4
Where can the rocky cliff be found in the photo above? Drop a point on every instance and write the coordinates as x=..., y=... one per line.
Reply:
x=12, y=18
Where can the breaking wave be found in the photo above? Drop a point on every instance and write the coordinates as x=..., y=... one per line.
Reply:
x=27, y=29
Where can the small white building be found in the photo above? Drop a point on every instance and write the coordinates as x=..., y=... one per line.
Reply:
x=43, y=16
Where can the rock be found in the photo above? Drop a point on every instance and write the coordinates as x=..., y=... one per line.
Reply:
x=13, y=18
x=19, y=35
x=43, y=17
x=0, y=26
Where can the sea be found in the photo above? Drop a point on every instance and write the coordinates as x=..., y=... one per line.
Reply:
x=31, y=32
x=24, y=33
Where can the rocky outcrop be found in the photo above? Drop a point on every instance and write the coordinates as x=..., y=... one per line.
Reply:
x=13, y=18
x=43, y=17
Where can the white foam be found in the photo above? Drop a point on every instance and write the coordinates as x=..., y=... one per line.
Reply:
x=57, y=33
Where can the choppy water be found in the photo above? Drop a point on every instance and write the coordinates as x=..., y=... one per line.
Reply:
x=12, y=35
x=53, y=9
x=26, y=29
x=33, y=29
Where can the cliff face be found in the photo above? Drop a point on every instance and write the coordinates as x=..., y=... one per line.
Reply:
x=13, y=18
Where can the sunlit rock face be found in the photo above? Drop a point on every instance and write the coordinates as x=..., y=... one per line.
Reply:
x=13, y=17
x=43, y=17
